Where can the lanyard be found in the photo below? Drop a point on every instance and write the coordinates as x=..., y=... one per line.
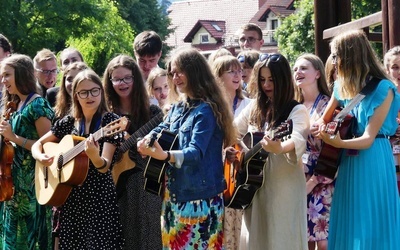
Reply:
x=235, y=101
x=27, y=100
x=319, y=97
x=91, y=129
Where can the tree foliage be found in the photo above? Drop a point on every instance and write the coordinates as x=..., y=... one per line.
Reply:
x=296, y=33
x=295, y=36
x=99, y=29
x=108, y=37
x=146, y=15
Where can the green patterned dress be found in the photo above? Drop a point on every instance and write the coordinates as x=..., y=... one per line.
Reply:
x=24, y=224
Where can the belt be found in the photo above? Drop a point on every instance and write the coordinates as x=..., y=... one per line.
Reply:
x=382, y=136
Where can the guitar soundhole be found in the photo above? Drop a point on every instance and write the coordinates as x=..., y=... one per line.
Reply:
x=60, y=163
x=46, y=176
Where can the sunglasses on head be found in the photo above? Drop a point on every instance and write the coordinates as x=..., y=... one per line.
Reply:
x=270, y=57
x=241, y=58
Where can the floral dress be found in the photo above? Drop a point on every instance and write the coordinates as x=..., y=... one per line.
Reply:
x=320, y=198
x=24, y=223
x=89, y=219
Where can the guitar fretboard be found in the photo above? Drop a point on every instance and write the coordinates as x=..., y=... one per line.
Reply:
x=142, y=131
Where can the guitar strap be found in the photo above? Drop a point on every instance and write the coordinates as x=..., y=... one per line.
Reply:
x=289, y=107
x=370, y=86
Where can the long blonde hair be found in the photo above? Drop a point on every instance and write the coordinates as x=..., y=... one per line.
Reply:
x=355, y=59
x=321, y=82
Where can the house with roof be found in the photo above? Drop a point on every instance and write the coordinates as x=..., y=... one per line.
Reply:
x=211, y=24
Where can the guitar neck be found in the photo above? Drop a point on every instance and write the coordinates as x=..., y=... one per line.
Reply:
x=73, y=152
x=144, y=130
x=253, y=151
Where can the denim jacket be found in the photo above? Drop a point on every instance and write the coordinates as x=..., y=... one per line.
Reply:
x=200, y=173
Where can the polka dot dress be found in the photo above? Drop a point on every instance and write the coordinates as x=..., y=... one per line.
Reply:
x=89, y=218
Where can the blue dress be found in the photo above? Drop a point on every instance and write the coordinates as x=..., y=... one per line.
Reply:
x=365, y=211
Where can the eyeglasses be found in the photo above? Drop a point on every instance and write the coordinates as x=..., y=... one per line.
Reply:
x=270, y=57
x=234, y=72
x=118, y=81
x=83, y=94
x=48, y=72
x=171, y=74
x=249, y=40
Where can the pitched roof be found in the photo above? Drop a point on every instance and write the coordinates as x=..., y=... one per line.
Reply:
x=185, y=14
x=215, y=28
x=281, y=8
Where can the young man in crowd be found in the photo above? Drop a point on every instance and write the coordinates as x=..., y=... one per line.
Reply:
x=45, y=63
x=251, y=37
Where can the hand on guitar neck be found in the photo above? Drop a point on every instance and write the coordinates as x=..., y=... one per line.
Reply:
x=244, y=163
x=271, y=142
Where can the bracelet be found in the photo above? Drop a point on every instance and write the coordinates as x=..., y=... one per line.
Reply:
x=104, y=165
x=24, y=142
x=168, y=157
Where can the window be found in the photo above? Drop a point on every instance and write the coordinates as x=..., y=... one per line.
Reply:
x=274, y=24
x=216, y=27
x=204, y=38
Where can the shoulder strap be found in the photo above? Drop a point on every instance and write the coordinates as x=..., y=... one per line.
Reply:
x=289, y=107
x=370, y=86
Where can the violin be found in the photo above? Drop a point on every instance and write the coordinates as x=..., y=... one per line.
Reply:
x=6, y=160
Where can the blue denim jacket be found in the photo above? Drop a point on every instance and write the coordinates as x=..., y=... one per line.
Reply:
x=200, y=174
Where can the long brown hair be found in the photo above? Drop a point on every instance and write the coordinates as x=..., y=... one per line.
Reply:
x=267, y=110
x=24, y=75
x=140, y=104
x=90, y=75
x=64, y=100
x=201, y=84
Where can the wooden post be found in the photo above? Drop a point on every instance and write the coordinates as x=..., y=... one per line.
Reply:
x=394, y=22
x=327, y=14
x=385, y=26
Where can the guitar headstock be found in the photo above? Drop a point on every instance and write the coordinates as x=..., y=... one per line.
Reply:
x=116, y=126
x=284, y=129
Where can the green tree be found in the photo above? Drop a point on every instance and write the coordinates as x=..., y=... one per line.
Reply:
x=94, y=27
x=33, y=25
x=146, y=15
x=296, y=33
x=108, y=37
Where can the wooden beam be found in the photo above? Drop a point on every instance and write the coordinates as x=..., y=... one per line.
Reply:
x=375, y=37
x=361, y=23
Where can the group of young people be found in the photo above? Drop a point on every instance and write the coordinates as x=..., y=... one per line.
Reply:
x=208, y=108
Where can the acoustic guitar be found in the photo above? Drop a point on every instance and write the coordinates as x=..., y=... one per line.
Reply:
x=124, y=162
x=70, y=167
x=155, y=169
x=244, y=176
x=6, y=160
x=329, y=157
